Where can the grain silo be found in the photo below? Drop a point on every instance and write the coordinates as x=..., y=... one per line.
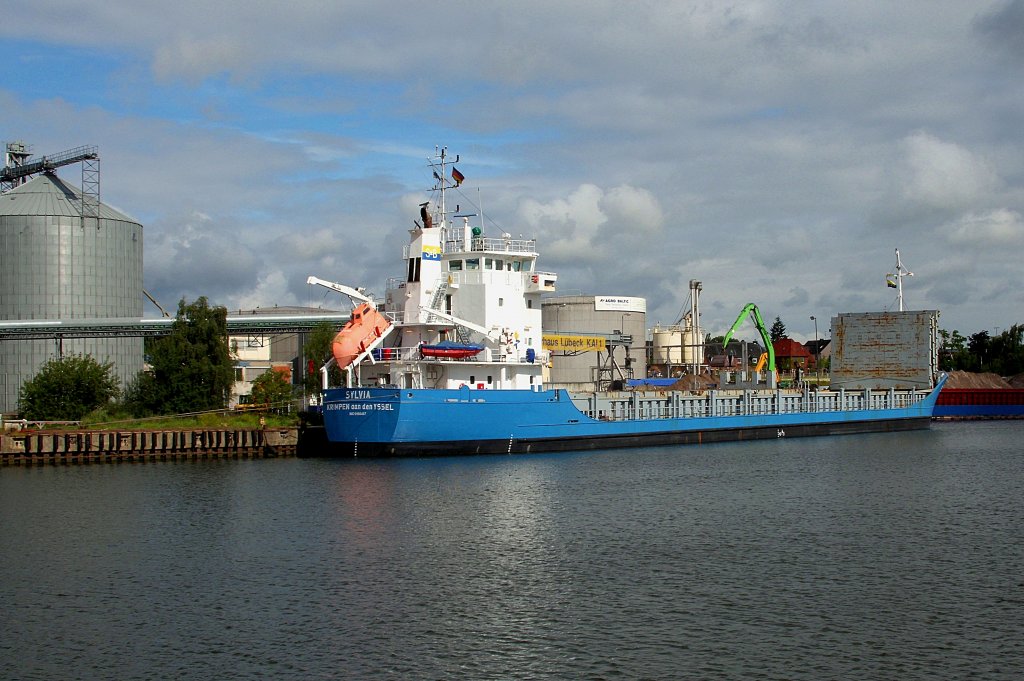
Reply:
x=65, y=255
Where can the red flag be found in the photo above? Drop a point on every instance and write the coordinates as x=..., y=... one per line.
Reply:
x=457, y=176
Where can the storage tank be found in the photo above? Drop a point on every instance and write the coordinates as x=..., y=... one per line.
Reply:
x=608, y=317
x=667, y=345
x=675, y=344
x=59, y=265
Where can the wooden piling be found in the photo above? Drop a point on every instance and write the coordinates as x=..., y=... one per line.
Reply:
x=61, y=447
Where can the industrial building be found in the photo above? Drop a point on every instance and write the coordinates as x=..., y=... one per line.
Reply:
x=65, y=255
x=594, y=340
x=256, y=352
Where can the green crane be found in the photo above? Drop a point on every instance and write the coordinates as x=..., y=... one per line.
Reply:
x=755, y=316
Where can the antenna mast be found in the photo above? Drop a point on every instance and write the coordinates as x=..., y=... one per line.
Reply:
x=895, y=280
x=440, y=162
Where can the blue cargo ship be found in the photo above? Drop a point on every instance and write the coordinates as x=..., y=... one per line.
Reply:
x=452, y=361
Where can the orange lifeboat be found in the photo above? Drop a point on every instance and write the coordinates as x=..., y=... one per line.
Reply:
x=364, y=327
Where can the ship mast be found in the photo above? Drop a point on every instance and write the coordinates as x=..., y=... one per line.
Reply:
x=895, y=280
x=440, y=165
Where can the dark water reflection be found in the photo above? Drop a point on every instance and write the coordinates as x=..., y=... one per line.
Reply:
x=880, y=556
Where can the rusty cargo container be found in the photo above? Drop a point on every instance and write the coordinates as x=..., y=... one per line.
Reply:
x=881, y=350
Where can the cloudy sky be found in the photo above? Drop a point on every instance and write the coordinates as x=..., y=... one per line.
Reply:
x=776, y=151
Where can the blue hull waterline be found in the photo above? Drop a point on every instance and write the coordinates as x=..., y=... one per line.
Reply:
x=392, y=422
x=979, y=411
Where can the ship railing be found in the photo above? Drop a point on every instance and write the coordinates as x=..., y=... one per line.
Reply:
x=489, y=275
x=481, y=244
x=668, y=405
x=408, y=353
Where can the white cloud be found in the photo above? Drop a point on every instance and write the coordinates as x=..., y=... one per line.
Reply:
x=271, y=290
x=592, y=225
x=572, y=223
x=634, y=210
x=991, y=231
x=945, y=174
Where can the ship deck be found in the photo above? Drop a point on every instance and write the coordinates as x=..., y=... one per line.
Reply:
x=627, y=406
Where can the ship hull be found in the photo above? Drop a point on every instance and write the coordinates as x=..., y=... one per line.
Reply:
x=396, y=423
x=980, y=403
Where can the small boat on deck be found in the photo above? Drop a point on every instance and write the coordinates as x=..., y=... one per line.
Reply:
x=450, y=350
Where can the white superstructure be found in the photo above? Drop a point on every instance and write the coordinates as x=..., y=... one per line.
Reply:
x=465, y=288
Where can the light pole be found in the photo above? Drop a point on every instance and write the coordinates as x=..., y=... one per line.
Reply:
x=558, y=307
x=817, y=347
x=622, y=334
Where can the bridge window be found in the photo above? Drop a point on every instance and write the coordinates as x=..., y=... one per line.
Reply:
x=473, y=263
x=455, y=266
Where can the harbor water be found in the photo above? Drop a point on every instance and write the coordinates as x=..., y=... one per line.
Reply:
x=883, y=556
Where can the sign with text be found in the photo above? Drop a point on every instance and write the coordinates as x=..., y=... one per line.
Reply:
x=620, y=304
x=565, y=343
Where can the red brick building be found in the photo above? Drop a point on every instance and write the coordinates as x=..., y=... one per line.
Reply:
x=796, y=354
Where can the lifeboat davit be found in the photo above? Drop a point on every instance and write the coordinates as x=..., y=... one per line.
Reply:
x=364, y=327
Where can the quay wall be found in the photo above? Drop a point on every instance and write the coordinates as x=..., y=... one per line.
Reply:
x=32, y=448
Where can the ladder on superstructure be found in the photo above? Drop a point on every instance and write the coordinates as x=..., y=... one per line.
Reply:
x=461, y=332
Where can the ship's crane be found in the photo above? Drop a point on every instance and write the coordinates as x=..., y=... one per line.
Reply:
x=492, y=333
x=755, y=316
x=356, y=293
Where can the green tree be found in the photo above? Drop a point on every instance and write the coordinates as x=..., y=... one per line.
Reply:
x=1010, y=350
x=980, y=345
x=317, y=350
x=953, y=353
x=778, y=330
x=271, y=390
x=68, y=388
x=191, y=368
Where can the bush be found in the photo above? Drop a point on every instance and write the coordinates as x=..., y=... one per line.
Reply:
x=271, y=390
x=68, y=388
